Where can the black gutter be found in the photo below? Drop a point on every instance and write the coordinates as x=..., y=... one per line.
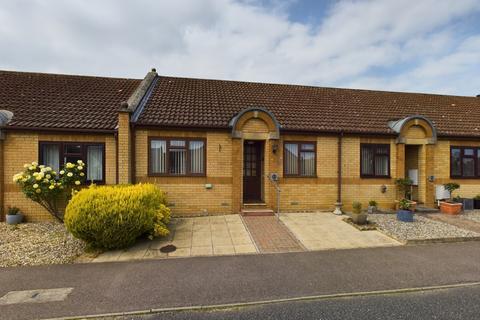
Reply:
x=339, y=175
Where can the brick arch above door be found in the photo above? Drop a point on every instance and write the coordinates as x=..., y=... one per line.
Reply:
x=255, y=123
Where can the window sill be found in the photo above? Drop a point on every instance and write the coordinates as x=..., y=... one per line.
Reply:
x=465, y=178
x=301, y=177
x=375, y=177
x=152, y=175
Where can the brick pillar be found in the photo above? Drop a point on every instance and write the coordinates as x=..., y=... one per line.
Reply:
x=400, y=173
x=2, y=184
x=272, y=161
x=237, y=174
x=422, y=174
x=124, y=148
x=429, y=171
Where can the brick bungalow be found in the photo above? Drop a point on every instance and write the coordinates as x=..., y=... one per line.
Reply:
x=212, y=144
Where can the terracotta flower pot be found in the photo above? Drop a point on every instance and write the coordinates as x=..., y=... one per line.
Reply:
x=450, y=208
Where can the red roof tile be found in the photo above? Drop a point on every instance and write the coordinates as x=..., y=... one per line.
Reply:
x=43, y=100
x=212, y=103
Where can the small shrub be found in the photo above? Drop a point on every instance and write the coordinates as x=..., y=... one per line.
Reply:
x=451, y=186
x=13, y=211
x=114, y=217
x=357, y=207
x=372, y=203
x=404, y=186
x=404, y=204
x=49, y=188
x=457, y=199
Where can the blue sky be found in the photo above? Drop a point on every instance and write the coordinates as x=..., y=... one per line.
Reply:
x=401, y=45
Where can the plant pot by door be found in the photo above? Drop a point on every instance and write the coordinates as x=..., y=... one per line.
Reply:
x=14, y=218
x=450, y=208
x=405, y=215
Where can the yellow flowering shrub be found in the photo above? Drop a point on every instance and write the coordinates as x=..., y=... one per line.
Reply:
x=48, y=188
x=114, y=217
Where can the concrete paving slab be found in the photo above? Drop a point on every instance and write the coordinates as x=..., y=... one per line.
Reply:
x=197, y=236
x=323, y=230
x=222, y=250
x=202, y=251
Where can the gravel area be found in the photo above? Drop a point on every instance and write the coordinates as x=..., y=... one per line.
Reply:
x=29, y=244
x=422, y=228
x=473, y=215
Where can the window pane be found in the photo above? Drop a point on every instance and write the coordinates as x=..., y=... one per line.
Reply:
x=177, y=161
x=307, y=163
x=478, y=161
x=51, y=156
x=291, y=158
x=177, y=143
x=158, y=156
x=71, y=159
x=72, y=148
x=197, y=161
x=381, y=165
x=308, y=146
x=468, y=152
x=381, y=149
x=367, y=161
x=468, y=167
x=94, y=163
x=456, y=166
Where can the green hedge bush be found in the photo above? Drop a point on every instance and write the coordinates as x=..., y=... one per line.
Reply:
x=113, y=217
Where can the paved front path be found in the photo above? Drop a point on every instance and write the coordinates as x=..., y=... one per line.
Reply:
x=128, y=286
x=236, y=235
x=322, y=230
x=271, y=235
x=199, y=236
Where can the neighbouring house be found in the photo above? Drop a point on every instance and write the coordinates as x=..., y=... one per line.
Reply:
x=212, y=145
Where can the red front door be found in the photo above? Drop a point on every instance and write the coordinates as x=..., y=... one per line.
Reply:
x=252, y=171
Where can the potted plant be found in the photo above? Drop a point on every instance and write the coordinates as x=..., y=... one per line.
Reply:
x=476, y=202
x=372, y=206
x=449, y=206
x=358, y=217
x=14, y=216
x=404, y=186
x=404, y=212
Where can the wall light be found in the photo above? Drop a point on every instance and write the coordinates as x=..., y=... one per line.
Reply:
x=274, y=147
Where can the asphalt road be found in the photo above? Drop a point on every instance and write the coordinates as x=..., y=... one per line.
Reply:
x=129, y=286
x=458, y=303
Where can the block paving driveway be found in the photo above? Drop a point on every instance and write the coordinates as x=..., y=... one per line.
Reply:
x=234, y=235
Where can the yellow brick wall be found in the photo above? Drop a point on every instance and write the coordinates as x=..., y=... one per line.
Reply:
x=320, y=193
x=468, y=187
x=255, y=126
x=124, y=148
x=188, y=195
x=21, y=148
